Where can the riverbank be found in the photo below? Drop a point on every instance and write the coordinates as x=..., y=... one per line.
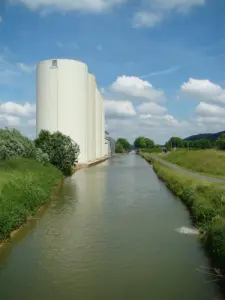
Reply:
x=208, y=162
x=25, y=186
x=205, y=201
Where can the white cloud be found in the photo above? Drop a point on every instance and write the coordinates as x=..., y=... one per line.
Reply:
x=136, y=87
x=12, y=108
x=210, y=115
x=151, y=108
x=26, y=68
x=155, y=11
x=1, y=19
x=119, y=108
x=32, y=122
x=146, y=19
x=210, y=110
x=8, y=120
x=70, y=5
x=203, y=89
x=162, y=72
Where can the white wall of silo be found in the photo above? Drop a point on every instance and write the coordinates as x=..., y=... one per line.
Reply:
x=62, y=92
x=46, y=97
x=91, y=111
x=98, y=124
x=103, y=126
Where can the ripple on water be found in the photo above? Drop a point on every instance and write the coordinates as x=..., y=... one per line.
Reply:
x=187, y=230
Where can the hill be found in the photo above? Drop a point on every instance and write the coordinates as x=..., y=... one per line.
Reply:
x=208, y=136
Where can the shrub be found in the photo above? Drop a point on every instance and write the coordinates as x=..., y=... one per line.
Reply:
x=13, y=143
x=62, y=151
x=215, y=243
x=29, y=186
x=119, y=148
x=42, y=157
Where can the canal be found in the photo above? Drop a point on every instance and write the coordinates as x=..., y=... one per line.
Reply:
x=110, y=234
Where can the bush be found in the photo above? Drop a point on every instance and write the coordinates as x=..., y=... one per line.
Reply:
x=119, y=148
x=215, y=243
x=62, y=151
x=29, y=186
x=152, y=150
x=42, y=157
x=13, y=143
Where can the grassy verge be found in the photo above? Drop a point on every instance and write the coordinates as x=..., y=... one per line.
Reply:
x=25, y=185
x=206, y=203
x=209, y=162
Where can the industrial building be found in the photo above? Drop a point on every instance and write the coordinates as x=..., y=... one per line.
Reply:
x=69, y=101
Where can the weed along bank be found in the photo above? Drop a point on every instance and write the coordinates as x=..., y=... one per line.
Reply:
x=204, y=197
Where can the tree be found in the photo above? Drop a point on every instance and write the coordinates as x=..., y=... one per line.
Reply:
x=221, y=142
x=63, y=152
x=174, y=142
x=119, y=148
x=204, y=144
x=143, y=142
x=124, y=143
x=14, y=144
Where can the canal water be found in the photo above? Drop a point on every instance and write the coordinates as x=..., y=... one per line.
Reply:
x=110, y=234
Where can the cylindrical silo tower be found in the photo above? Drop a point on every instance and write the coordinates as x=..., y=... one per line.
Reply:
x=62, y=92
x=103, y=126
x=98, y=125
x=91, y=144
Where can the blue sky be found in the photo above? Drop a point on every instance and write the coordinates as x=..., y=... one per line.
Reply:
x=159, y=63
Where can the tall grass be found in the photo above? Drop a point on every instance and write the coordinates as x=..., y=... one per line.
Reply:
x=202, y=161
x=206, y=203
x=25, y=185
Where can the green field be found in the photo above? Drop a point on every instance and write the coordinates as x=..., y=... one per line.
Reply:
x=211, y=162
x=25, y=185
x=205, y=201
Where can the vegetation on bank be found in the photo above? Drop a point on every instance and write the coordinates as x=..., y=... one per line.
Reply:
x=62, y=151
x=25, y=185
x=203, y=143
x=206, y=202
x=122, y=146
x=28, y=172
x=211, y=162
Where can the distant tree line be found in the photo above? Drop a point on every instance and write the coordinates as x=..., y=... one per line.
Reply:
x=176, y=142
x=148, y=145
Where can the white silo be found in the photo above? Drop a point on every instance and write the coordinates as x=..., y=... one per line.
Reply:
x=103, y=127
x=62, y=91
x=98, y=124
x=91, y=144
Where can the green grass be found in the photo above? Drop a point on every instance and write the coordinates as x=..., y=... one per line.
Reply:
x=209, y=162
x=206, y=203
x=25, y=185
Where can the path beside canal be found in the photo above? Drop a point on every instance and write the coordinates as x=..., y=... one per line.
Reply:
x=184, y=171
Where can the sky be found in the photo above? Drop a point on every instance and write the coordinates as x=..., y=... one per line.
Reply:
x=160, y=64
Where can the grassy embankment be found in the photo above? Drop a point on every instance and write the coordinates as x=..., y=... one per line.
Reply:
x=209, y=162
x=206, y=202
x=25, y=185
